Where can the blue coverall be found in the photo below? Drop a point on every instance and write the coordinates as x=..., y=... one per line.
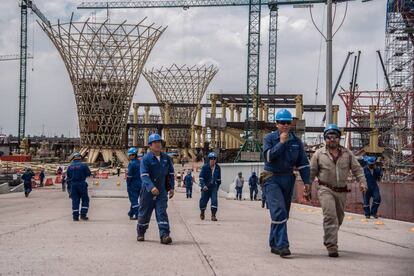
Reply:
x=27, y=181
x=280, y=159
x=133, y=186
x=253, y=180
x=372, y=192
x=41, y=178
x=188, y=180
x=212, y=180
x=77, y=173
x=155, y=173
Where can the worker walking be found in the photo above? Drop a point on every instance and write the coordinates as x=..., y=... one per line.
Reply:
x=283, y=152
x=253, y=181
x=331, y=165
x=189, y=180
x=42, y=177
x=77, y=173
x=238, y=184
x=157, y=174
x=27, y=177
x=133, y=182
x=210, y=181
x=373, y=174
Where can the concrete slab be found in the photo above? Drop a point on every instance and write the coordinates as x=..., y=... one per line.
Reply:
x=38, y=237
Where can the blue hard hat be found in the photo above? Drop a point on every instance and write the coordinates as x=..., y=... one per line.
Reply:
x=132, y=151
x=253, y=173
x=331, y=128
x=371, y=160
x=212, y=155
x=283, y=115
x=154, y=138
x=77, y=155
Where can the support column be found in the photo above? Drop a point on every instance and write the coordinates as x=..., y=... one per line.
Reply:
x=373, y=136
x=335, y=110
x=146, y=121
x=199, y=109
x=135, y=121
x=261, y=107
x=213, y=99
x=167, y=121
x=224, y=143
x=299, y=107
x=238, y=111
x=203, y=134
x=232, y=107
x=192, y=142
x=266, y=113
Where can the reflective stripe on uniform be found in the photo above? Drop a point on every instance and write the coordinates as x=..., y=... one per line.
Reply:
x=366, y=205
x=330, y=226
x=302, y=167
x=135, y=206
x=145, y=224
x=268, y=156
x=144, y=174
x=215, y=207
x=376, y=202
x=75, y=210
x=84, y=208
x=163, y=222
x=279, y=222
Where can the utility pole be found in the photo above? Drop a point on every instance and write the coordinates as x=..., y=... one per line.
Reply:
x=329, y=63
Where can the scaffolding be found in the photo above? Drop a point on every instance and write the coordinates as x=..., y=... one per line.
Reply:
x=179, y=85
x=104, y=62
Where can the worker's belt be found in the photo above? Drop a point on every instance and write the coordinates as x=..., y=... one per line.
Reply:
x=335, y=189
x=265, y=175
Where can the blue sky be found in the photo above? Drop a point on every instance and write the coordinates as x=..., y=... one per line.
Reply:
x=195, y=36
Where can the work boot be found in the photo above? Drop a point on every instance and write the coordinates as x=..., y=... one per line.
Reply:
x=133, y=218
x=375, y=216
x=26, y=194
x=202, y=215
x=140, y=237
x=367, y=217
x=284, y=252
x=166, y=239
x=76, y=219
x=84, y=217
x=213, y=218
x=275, y=251
x=333, y=252
x=263, y=204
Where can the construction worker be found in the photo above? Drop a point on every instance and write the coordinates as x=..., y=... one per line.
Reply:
x=118, y=170
x=373, y=174
x=283, y=151
x=189, y=180
x=238, y=185
x=64, y=182
x=210, y=181
x=77, y=173
x=133, y=182
x=253, y=180
x=157, y=174
x=331, y=165
x=27, y=181
x=42, y=177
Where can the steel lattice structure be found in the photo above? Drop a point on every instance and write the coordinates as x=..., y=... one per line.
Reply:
x=104, y=62
x=180, y=85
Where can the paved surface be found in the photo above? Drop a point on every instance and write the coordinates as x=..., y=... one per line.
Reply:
x=38, y=237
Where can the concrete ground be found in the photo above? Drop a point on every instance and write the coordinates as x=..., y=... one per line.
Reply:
x=38, y=237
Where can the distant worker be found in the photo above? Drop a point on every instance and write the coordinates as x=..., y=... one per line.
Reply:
x=253, y=181
x=77, y=173
x=179, y=179
x=27, y=181
x=373, y=175
x=133, y=182
x=42, y=177
x=210, y=181
x=157, y=174
x=118, y=170
x=331, y=165
x=64, y=182
x=283, y=151
x=238, y=184
x=189, y=180
x=59, y=170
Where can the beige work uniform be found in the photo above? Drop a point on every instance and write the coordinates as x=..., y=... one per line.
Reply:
x=323, y=167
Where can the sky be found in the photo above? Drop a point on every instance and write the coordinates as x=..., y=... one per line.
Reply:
x=194, y=37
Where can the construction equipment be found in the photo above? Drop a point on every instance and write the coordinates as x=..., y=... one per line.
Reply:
x=14, y=57
x=24, y=5
x=253, y=53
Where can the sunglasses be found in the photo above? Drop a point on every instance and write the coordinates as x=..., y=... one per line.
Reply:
x=284, y=122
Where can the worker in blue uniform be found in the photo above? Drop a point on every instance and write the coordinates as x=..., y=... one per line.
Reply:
x=157, y=174
x=210, y=181
x=77, y=173
x=27, y=181
x=283, y=151
x=253, y=181
x=373, y=174
x=133, y=182
x=188, y=181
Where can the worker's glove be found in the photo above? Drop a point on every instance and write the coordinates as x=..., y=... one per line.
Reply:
x=155, y=191
x=363, y=187
x=171, y=193
x=307, y=192
x=205, y=189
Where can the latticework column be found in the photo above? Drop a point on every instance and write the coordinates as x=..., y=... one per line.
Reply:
x=104, y=62
x=175, y=85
